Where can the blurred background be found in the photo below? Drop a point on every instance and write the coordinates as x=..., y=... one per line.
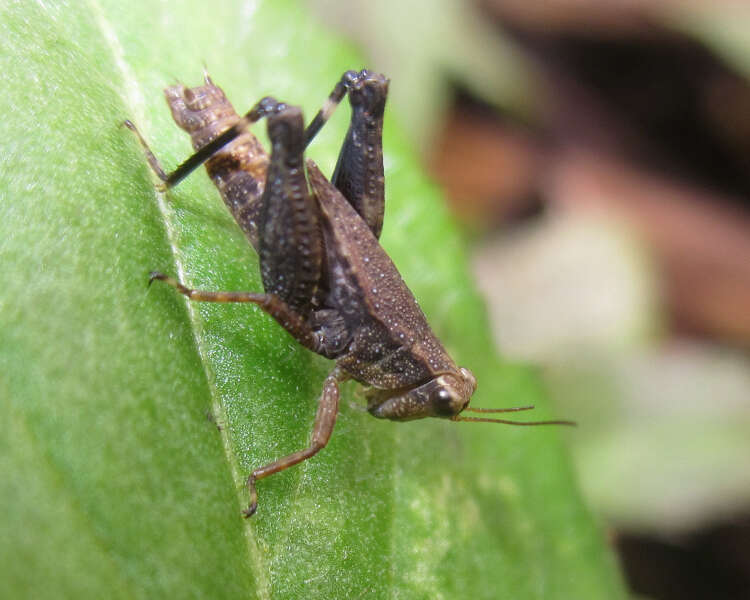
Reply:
x=598, y=155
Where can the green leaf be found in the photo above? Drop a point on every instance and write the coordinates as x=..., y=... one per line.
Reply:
x=114, y=483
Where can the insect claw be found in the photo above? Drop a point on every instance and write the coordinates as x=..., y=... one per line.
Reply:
x=250, y=510
x=155, y=275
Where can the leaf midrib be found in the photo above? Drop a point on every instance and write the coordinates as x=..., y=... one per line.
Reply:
x=134, y=100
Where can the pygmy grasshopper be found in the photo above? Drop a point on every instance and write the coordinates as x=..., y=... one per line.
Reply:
x=327, y=280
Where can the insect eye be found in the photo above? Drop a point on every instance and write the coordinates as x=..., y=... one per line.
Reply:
x=442, y=402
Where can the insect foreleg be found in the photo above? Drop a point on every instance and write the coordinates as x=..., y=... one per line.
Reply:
x=325, y=419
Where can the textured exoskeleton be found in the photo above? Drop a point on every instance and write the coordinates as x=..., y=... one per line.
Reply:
x=327, y=280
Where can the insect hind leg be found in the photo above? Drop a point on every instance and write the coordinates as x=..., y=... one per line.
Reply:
x=290, y=235
x=153, y=162
x=330, y=105
x=263, y=108
x=359, y=169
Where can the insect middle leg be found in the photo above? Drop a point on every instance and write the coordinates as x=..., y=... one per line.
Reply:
x=270, y=303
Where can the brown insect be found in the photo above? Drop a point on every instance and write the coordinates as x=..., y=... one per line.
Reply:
x=327, y=280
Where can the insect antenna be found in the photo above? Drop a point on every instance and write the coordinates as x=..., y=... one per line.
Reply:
x=505, y=421
x=498, y=410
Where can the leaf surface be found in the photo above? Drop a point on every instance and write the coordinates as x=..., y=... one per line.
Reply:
x=114, y=481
